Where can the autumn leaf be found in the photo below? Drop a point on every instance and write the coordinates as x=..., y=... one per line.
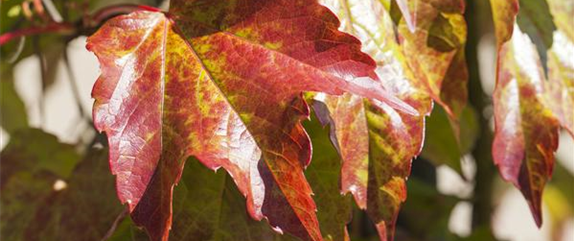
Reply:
x=526, y=133
x=409, y=12
x=504, y=15
x=560, y=84
x=436, y=52
x=562, y=11
x=375, y=142
x=196, y=205
x=222, y=82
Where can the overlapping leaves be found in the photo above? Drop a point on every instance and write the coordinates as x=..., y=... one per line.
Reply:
x=377, y=143
x=222, y=82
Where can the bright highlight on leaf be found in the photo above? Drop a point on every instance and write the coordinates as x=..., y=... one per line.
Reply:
x=222, y=82
x=526, y=133
x=376, y=142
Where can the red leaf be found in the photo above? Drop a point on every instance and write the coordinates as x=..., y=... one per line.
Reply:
x=375, y=142
x=222, y=82
x=526, y=134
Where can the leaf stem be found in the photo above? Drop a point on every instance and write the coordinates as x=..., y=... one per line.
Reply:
x=66, y=28
x=50, y=28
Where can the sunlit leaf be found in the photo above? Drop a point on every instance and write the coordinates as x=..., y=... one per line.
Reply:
x=526, y=133
x=504, y=13
x=375, y=142
x=436, y=52
x=563, y=10
x=560, y=84
x=222, y=82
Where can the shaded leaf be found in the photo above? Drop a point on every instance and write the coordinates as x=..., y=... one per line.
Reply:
x=426, y=213
x=324, y=174
x=534, y=18
x=238, y=71
x=526, y=134
x=208, y=206
x=84, y=210
x=13, y=116
x=443, y=145
x=31, y=163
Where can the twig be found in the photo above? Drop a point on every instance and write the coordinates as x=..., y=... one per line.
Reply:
x=66, y=28
x=52, y=27
x=114, y=226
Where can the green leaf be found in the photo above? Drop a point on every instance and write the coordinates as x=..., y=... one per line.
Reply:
x=13, y=116
x=84, y=210
x=534, y=18
x=31, y=163
x=324, y=175
x=444, y=144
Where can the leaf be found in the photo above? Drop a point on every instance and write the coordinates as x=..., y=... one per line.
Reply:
x=375, y=142
x=31, y=163
x=14, y=114
x=443, y=145
x=436, y=52
x=84, y=210
x=426, y=213
x=560, y=84
x=563, y=10
x=409, y=14
x=526, y=134
x=222, y=82
x=333, y=209
x=534, y=18
x=214, y=210
x=504, y=15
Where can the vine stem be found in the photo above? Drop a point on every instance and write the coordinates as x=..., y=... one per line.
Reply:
x=50, y=28
x=65, y=28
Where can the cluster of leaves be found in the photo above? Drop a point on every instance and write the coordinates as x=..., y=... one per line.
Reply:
x=228, y=84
